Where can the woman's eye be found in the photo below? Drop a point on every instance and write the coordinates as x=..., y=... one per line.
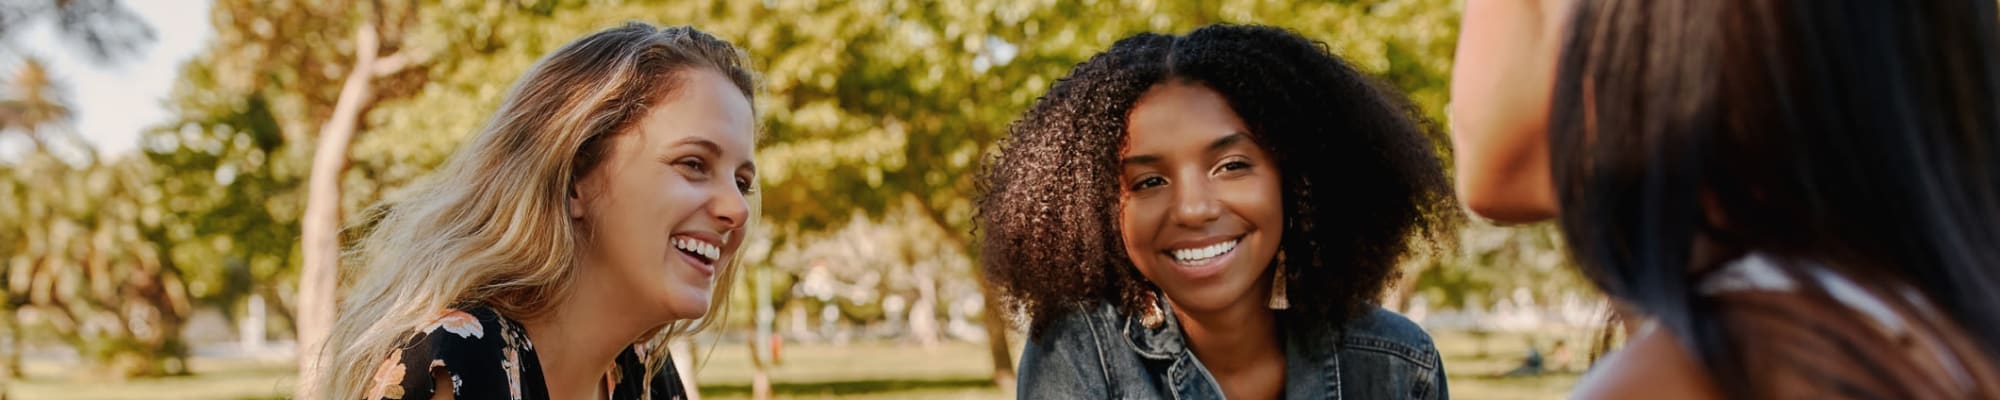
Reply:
x=1235, y=165
x=746, y=186
x=1148, y=183
x=693, y=165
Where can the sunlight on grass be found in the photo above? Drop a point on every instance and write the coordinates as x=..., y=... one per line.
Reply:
x=212, y=379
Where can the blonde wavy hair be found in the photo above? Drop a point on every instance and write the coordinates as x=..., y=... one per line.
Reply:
x=490, y=227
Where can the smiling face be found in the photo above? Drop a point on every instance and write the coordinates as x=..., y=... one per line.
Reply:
x=1200, y=209
x=665, y=206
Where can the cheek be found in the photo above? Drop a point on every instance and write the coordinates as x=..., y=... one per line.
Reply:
x=1259, y=201
x=1134, y=230
x=1128, y=223
x=1271, y=211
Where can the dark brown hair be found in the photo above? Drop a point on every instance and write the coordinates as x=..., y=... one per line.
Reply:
x=1859, y=134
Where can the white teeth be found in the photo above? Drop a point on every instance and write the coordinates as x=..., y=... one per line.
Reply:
x=1199, y=254
x=698, y=247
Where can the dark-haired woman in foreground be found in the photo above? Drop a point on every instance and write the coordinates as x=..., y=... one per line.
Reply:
x=1151, y=210
x=1802, y=197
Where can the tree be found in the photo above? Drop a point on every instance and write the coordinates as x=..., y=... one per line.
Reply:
x=88, y=263
x=872, y=107
x=34, y=106
x=321, y=222
x=105, y=29
x=880, y=105
x=270, y=87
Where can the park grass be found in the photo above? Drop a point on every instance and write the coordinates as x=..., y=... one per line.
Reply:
x=211, y=379
x=857, y=371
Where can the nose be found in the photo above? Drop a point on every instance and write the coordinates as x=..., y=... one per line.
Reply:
x=1195, y=204
x=731, y=208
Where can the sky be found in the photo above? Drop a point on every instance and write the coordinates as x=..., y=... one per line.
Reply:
x=113, y=103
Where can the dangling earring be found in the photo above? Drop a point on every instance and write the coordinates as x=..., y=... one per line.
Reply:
x=1279, y=300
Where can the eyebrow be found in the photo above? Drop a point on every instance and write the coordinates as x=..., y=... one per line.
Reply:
x=1226, y=141
x=1232, y=139
x=705, y=144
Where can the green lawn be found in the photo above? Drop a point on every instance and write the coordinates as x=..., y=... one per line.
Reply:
x=859, y=371
x=212, y=379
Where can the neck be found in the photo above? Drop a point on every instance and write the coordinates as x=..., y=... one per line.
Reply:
x=1234, y=338
x=579, y=338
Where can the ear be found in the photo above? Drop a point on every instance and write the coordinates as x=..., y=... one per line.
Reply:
x=574, y=201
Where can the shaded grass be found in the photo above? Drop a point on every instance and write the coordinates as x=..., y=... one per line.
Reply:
x=211, y=379
x=1472, y=374
x=969, y=387
x=857, y=371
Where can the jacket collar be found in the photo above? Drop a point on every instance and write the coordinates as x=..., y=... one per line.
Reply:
x=1312, y=362
x=1161, y=340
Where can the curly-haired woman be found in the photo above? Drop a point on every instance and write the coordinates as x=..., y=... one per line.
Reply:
x=1150, y=211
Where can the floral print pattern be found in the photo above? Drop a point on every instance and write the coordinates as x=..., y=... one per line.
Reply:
x=460, y=323
x=488, y=356
x=388, y=379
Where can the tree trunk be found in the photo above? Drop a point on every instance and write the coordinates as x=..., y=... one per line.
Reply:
x=682, y=350
x=321, y=223
x=996, y=342
x=14, y=347
x=996, y=324
x=760, y=293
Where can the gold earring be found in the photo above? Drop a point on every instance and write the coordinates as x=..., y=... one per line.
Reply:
x=1279, y=300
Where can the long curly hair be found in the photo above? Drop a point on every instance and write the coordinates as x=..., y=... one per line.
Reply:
x=1362, y=182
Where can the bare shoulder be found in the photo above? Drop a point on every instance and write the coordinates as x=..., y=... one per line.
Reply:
x=1651, y=366
x=441, y=380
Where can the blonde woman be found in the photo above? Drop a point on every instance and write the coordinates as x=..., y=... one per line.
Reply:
x=555, y=253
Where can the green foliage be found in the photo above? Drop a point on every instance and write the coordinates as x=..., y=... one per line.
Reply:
x=1492, y=261
x=85, y=260
x=878, y=108
x=871, y=101
x=868, y=106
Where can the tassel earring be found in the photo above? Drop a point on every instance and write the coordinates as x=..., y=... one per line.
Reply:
x=1279, y=300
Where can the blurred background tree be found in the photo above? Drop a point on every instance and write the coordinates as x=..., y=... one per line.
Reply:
x=79, y=237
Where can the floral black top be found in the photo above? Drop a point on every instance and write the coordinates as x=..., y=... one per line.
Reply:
x=489, y=356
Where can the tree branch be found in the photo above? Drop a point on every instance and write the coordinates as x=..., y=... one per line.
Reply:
x=399, y=62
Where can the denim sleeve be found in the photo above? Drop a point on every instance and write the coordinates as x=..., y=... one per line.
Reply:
x=1063, y=361
x=1385, y=355
x=1438, y=375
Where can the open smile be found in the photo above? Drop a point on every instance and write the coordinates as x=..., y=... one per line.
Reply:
x=1203, y=258
x=699, y=253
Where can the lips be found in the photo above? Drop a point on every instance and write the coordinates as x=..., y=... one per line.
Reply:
x=1202, y=259
x=1198, y=255
x=701, y=253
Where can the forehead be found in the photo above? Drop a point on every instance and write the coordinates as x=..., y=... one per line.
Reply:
x=704, y=104
x=1177, y=115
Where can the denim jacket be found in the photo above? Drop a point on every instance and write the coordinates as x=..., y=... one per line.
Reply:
x=1101, y=353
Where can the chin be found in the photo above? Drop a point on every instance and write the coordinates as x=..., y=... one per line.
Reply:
x=685, y=309
x=1208, y=297
x=683, y=315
